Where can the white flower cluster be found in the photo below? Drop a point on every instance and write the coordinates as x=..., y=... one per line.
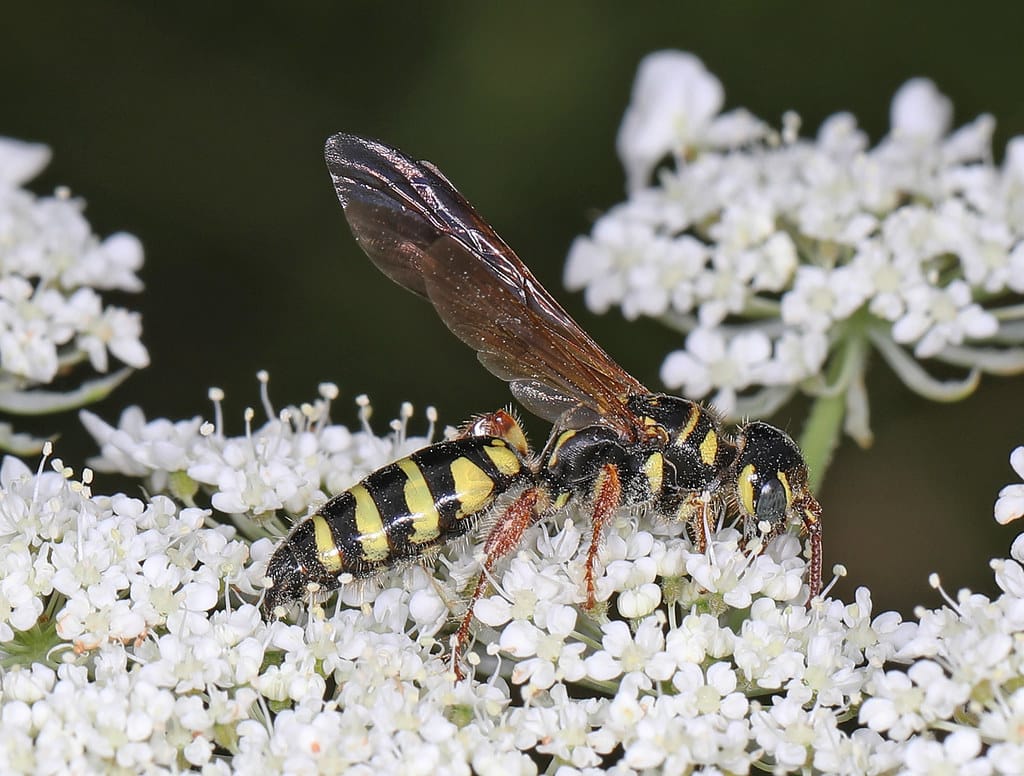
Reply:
x=783, y=257
x=51, y=314
x=285, y=465
x=130, y=641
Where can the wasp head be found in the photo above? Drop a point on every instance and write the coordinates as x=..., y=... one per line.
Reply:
x=771, y=478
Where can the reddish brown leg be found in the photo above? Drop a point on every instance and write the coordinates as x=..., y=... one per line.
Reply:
x=504, y=536
x=607, y=498
x=696, y=508
x=811, y=511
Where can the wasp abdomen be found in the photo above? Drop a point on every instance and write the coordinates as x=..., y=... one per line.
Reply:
x=395, y=514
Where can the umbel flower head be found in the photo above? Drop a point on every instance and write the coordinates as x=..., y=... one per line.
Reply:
x=52, y=317
x=786, y=260
x=130, y=640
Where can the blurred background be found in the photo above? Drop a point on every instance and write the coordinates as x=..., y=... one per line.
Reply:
x=200, y=129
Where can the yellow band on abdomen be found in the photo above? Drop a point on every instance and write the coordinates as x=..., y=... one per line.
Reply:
x=326, y=550
x=472, y=486
x=370, y=526
x=426, y=520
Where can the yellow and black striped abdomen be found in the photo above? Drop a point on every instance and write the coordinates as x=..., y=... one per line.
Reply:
x=431, y=497
x=396, y=514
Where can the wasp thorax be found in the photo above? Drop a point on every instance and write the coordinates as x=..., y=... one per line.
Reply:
x=671, y=414
x=770, y=473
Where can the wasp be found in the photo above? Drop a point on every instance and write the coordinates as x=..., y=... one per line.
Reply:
x=614, y=443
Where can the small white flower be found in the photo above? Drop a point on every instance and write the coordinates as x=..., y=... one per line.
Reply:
x=601, y=263
x=938, y=317
x=697, y=637
x=920, y=112
x=713, y=691
x=110, y=264
x=1010, y=504
x=627, y=653
x=886, y=278
x=786, y=730
x=958, y=753
x=821, y=297
x=673, y=103
x=722, y=288
x=710, y=362
x=20, y=161
x=798, y=355
x=136, y=447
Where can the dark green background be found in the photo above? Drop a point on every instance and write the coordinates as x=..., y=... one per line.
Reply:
x=200, y=130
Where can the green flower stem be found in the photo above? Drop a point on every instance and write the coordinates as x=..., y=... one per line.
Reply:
x=1009, y=313
x=824, y=424
x=821, y=436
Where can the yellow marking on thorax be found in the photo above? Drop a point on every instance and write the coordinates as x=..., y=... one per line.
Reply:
x=745, y=485
x=564, y=437
x=370, y=526
x=327, y=551
x=709, y=448
x=472, y=486
x=562, y=499
x=654, y=470
x=504, y=460
x=426, y=520
x=655, y=430
x=691, y=424
x=785, y=484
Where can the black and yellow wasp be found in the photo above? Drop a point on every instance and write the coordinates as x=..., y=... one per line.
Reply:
x=614, y=442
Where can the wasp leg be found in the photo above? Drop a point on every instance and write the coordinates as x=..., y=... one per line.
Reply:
x=810, y=510
x=505, y=535
x=693, y=512
x=607, y=498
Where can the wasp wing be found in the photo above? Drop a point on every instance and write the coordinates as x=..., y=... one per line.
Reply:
x=425, y=236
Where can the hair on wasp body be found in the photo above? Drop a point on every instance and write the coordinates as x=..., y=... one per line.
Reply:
x=613, y=442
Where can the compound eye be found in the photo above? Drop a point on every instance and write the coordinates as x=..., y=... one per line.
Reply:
x=772, y=502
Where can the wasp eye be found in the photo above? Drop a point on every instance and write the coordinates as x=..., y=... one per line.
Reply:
x=771, y=502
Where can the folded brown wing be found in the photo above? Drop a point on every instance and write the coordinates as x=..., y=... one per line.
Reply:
x=425, y=236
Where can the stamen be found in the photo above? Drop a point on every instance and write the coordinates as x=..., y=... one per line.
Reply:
x=365, y=412
x=431, y=422
x=936, y=583
x=47, y=452
x=264, y=377
x=329, y=392
x=216, y=395
x=249, y=414
x=838, y=572
x=401, y=426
